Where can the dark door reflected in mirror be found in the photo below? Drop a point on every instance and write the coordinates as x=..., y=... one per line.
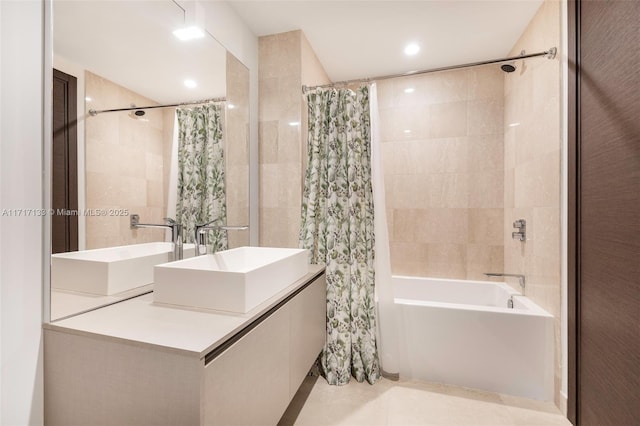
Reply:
x=64, y=168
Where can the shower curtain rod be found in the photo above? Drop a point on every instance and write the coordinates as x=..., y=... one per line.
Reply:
x=93, y=112
x=549, y=54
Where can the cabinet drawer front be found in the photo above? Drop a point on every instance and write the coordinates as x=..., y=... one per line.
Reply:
x=248, y=384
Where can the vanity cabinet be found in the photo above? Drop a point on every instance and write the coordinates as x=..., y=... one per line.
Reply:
x=246, y=377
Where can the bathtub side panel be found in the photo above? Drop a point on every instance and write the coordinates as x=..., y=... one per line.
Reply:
x=500, y=352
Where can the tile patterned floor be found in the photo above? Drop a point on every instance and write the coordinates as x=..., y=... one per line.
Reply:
x=413, y=403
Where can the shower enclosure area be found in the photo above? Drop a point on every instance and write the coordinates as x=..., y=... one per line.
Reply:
x=465, y=154
x=468, y=152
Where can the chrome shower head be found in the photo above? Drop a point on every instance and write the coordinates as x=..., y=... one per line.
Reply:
x=508, y=67
x=137, y=114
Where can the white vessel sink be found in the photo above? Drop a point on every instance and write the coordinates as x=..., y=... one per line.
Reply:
x=235, y=280
x=111, y=270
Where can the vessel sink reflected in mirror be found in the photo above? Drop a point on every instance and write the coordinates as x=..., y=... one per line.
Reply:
x=234, y=280
x=108, y=271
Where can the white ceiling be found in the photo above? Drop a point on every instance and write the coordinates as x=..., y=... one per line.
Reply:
x=131, y=43
x=357, y=39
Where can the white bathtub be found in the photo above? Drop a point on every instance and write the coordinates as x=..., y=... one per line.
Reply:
x=462, y=333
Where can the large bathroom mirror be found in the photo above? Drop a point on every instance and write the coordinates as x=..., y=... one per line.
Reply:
x=108, y=165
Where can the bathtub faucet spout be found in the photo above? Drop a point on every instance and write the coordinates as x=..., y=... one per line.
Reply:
x=520, y=277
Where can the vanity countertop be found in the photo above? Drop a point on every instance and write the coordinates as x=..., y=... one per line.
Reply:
x=194, y=332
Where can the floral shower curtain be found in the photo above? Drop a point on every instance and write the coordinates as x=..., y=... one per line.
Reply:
x=201, y=179
x=337, y=228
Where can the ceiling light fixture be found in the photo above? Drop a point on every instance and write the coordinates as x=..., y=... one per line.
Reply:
x=189, y=33
x=411, y=49
x=193, y=22
x=409, y=90
x=88, y=99
x=190, y=83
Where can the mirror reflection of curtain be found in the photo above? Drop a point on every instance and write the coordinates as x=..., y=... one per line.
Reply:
x=200, y=196
x=338, y=228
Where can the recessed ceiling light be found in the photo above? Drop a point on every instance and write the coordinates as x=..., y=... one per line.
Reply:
x=411, y=49
x=189, y=33
x=190, y=83
x=407, y=131
x=514, y=124
x=409, y=90
x=231, y=106
x=294, y=123
x=88, y=99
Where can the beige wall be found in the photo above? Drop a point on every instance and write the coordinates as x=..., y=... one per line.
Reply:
x=286, y=62
x=236, y=137
x=442, y=150
x=124, y=166
x=532, y=166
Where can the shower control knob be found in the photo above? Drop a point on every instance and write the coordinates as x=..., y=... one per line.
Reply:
x=520, y=223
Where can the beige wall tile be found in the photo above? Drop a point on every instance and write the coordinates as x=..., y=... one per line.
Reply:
x=447, y=269
x=448, y=190
x=410, y=123
x=406, y=92
x=532, y=159
x=289, y=142
x=509, y=188
x=279, y=55
x=485, y=82
x=444, y=253
x=397, y=157
x=408, y=253
x=486, y=189
x=432, y=172
x=486, y=226
x=124, y=164
x=448, y=120
x=407, y=191
x=485, y=117
x=289, y=181
x=155, y=194
x=408, y=224
x=485, y=153
x=442, y=155
x=268, y=186
x=445, y=226
x=445, y=87
x=268, y=136
x=154, y=166
x=102, y=128
x=483, y=258
x=237, y=150
x=279, y=227
x=287, y=61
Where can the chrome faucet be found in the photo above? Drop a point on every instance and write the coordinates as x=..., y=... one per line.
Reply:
x=520, y=277
x=175, y=227
x=201, y=234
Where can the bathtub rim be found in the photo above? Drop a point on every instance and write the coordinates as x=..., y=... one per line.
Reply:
x=532, y=308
